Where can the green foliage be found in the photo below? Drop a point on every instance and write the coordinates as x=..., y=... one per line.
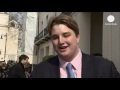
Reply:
x=47, y=57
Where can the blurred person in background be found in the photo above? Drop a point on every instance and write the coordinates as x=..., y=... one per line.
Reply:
x=18, y=70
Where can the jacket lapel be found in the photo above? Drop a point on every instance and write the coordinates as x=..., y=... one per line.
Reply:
x=87, y=67
x=54, y=68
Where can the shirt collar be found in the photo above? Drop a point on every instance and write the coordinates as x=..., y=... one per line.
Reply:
x=75, y=62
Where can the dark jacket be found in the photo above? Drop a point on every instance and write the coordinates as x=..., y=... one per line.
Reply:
x=17, y=71
x=1, y=71
x=92, y=67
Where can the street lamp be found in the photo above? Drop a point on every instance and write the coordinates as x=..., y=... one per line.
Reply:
x=1, y=37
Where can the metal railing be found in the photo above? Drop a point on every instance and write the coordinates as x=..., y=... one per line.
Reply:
x=42, y=36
